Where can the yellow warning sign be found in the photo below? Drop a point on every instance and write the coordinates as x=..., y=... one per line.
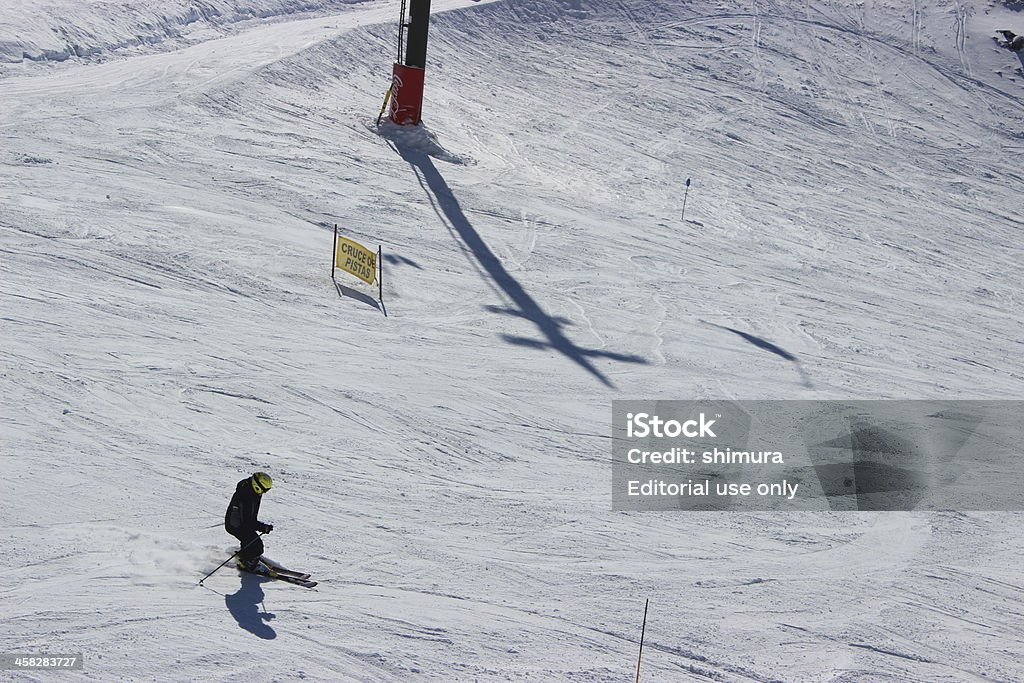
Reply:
x=354, y=258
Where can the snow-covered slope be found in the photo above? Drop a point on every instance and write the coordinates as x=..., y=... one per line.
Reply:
x=852, y=231
x=97, y=29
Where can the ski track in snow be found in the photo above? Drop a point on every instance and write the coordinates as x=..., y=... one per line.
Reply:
x=166, y=219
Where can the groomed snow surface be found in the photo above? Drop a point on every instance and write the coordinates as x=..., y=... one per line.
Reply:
x=853, y=230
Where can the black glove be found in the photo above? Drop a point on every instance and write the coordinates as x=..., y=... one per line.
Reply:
x=265, y=528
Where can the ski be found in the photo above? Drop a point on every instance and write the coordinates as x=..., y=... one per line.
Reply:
x=305, y=583
x=291, y=573
x=287, y=578
x=284, y=570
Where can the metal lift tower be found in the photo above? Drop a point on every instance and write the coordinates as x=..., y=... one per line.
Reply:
x=407, y=75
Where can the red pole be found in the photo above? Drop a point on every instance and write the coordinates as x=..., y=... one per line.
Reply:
x=407, y=75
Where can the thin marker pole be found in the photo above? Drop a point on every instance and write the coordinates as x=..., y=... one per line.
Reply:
x=334, y=251
x=643, y=630
x=387, y=96
x=380, y=276
x=685, y=195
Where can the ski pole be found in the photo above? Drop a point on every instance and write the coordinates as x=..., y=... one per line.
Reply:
x=230, y=558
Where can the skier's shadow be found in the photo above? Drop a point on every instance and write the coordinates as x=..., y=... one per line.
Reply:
x=245, y=607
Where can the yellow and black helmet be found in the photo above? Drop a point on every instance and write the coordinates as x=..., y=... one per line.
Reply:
x=261, y=482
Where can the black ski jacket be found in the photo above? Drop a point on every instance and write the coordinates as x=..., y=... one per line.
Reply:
x=242, y=516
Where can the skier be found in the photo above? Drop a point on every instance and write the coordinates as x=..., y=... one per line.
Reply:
x=1014, y=43
x=241, y=519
